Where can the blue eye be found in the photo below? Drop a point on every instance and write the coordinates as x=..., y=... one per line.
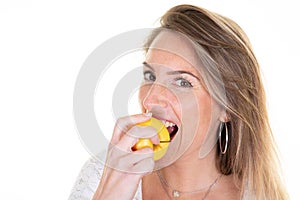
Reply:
x=181, y=82
x=149, y=76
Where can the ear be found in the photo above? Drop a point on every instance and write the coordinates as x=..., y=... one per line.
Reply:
x=224, y=117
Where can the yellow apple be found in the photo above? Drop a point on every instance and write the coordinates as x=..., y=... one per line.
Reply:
x=163, y=134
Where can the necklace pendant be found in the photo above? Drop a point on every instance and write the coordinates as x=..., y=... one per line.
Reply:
x=176, y=194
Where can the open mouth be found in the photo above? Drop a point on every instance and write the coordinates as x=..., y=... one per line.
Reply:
x=172, y=128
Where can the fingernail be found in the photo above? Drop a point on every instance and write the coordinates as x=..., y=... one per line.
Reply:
x=148, y=114
x=155, y=140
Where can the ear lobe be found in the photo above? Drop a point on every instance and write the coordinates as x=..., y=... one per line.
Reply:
x=224, y=117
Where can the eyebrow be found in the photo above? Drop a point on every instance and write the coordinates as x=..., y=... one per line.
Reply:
x=183, y=72
x=173, y=72
x=147, y=65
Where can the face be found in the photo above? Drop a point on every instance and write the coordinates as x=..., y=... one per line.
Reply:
x=174, y=93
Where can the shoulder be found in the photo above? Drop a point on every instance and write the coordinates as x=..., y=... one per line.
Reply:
x=88, y=180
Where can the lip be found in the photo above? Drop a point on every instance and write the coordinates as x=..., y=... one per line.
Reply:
x=164, y=120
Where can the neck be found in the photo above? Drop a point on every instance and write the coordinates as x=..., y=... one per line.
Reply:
x=191, y=173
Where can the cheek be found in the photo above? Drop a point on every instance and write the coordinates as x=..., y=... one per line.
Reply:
x=196, y=116
x=204, y=108
x=198, y=105
x=205, y=118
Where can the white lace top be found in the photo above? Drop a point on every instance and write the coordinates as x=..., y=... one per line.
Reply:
x=88, y=180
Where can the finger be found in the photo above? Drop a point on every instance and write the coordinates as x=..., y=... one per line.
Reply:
x=126, y=142
x=144, y=166
x=155, y=139
x=124, y=161
x=132, y=158
x=125, y=123
x=142, y=132
x=140, y=161
x=131, y=137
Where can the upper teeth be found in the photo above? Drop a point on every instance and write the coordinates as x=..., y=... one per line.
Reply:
x=168, y=124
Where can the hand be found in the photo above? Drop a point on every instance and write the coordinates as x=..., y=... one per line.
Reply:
x=125, y=168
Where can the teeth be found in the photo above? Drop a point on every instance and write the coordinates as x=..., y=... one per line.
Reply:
x=168, y=124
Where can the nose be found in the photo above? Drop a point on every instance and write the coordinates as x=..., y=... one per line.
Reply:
x=156, y=96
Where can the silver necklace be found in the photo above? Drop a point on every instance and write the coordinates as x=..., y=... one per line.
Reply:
x=177, y=193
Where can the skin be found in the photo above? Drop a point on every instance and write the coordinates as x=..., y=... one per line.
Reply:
x=178, y=97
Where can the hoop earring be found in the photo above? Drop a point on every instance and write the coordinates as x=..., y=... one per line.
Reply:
x=220, y=137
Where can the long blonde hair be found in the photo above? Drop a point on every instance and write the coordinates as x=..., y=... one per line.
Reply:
x=251, y=156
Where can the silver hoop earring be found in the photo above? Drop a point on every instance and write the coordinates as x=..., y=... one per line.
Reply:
x=220, y=137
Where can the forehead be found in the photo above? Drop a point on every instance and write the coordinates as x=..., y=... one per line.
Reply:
x=174, y=51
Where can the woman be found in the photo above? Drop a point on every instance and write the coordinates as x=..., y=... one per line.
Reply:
x=202, y=77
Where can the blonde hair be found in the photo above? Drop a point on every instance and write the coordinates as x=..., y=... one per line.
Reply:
x=252, y=155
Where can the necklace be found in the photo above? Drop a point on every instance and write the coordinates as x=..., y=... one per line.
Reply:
x=177, y=193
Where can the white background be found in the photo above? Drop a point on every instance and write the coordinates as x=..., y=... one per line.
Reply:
x=43, y=45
